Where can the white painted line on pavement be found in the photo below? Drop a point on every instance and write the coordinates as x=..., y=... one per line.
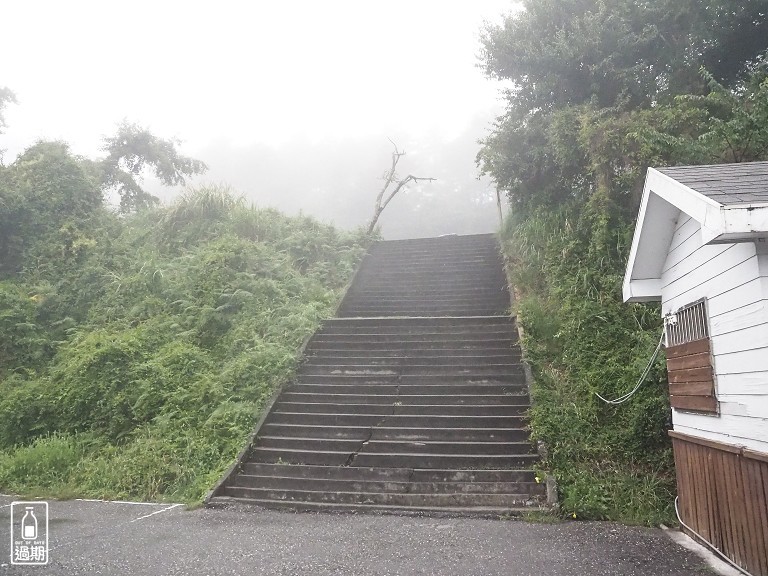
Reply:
x=171, y=507
x=119, y=502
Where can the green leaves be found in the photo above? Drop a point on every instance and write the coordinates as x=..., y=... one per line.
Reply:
x=153, y=351
x=132, y=150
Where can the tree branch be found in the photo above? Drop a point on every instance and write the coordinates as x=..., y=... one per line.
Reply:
x=390, y=177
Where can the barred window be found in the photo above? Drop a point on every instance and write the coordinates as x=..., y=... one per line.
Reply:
x=689, y=359
x=688, y=324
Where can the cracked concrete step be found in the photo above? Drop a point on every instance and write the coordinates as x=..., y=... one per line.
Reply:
x=394, y=362
x=352, y=344
x=440, y=511
x=403, y=409
x=396, y=460
x=388, y=474
x=425, y=447
x=434, y=334
x=372, y=325
x=385, y=498
x=398, y=420
x=417, y=266
x=404, y=399
x=427, y=353
x=413, y=342
x=472, y=330
x=398, y=487
x=377, y=294
x=406, y=379
x=360, y=433
x=396, y=352
x=429, y=307
x=497, y=371
x=307, y=387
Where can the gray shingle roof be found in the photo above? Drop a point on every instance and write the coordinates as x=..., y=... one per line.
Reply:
x=743, y=183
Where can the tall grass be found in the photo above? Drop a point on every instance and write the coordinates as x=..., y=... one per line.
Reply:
x=611, y=462
x=181, y=323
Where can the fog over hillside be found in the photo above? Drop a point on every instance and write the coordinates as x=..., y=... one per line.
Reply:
x=336, y=180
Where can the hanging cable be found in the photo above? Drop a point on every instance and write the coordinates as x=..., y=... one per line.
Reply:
x=705, y=541
x=643, y=376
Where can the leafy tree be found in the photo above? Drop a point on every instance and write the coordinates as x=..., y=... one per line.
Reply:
x=132, y=150
x=604, y=89
x=46, y=196
x=6, y=97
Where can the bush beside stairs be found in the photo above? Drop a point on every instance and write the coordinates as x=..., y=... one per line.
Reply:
x=413, y=399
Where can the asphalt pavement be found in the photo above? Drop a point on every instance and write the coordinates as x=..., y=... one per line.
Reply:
x=109, y=538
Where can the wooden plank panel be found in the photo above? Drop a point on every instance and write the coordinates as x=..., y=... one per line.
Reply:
x=692, y=375
x=698, y=403
x=712, y=503
x=738, y=510
x=695, y=347
x=692, y=389
x=701, y=360
x=724, y=496
x=759, y=479
x=752, y=525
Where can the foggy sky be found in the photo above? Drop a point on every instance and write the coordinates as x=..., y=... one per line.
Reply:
x=291, y=102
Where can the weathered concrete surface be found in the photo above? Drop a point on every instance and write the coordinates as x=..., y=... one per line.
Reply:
x=110, y=539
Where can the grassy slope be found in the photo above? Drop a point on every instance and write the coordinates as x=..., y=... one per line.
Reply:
x=138, y=369
x=611, y=462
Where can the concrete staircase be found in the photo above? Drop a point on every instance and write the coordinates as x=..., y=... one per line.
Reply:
x=412, y=400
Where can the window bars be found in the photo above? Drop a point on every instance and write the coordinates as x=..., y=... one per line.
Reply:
x=688, y=324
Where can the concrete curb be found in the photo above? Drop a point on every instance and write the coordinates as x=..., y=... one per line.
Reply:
x=715, y=563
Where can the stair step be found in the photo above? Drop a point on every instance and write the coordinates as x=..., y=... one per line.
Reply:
x=394, y=362
x=402, y=409
x=381, y=498
x=361, y=433
x=410, y=379
x=390, y=486
x=399, y=420
x=465, y=511
x=404, y=399
x=394, y=460
x=413, y=400
x=387, y=474
x=372, y=446
x=311, y=387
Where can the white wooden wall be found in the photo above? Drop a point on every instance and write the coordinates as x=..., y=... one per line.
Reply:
x=734, y=279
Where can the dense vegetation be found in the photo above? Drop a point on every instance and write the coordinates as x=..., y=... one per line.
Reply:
x=137, y=349
x=602, y=90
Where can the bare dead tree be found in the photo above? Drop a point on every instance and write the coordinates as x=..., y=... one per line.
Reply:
x=391, y=179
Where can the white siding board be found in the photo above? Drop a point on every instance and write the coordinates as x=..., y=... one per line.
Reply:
x=748, y=405
x=756, y=438
x=734, y=298
x=716, y=276
x=751, y=338
x=740, y=319
x=754, y=383
x=686, y=227
x=689, y=244
x=742, y=362
x=714, y=267
x=693, y=261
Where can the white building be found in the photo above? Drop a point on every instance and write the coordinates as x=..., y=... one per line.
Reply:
x=701, y=248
